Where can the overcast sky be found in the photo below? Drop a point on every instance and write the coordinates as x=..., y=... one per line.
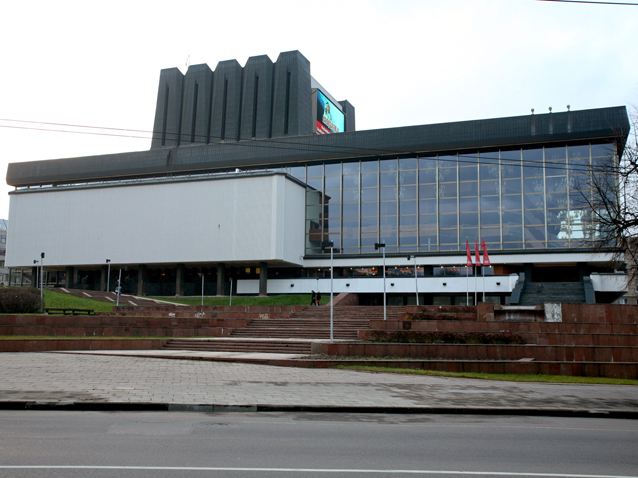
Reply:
x=398, y=62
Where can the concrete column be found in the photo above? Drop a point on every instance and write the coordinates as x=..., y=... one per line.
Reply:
x=103, y=272
x=528, y=272
x=70, y=277
x=221, y=278
x=582, y=271
x=141, y=279
x=263, y=279
x=179, y=280
x=34, y=277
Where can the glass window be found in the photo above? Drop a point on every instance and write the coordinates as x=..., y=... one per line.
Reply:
x=332, y=182
x=534, y=201
x=369, y=180
x=388, y=223
x=448, y=221
x=388, y=179
x=556, y=200
x=316, y=170
x=447, y=175
x=489, y=170
x=333, y=169
x=602, y=150
x=350, y=195
x=388, y=208
x=351, y=168
x=316, y=183
x=468, y=219
x=333, y=196
x=533, y=185
x=556, y=184
x=469, y=233
x=491, y=235
x=350, y=210
x=407, y=192
x=428, y=176
x=489, y=188
x=428, y=240
x=388, y=165
x=534, y=234
x=429, y=220
x=469, y=189
x=370, y=166
x=512, y=203
x=332, y=226
x=510, y=164
x=513, y=218
x=427, y=191
x=370, y=194
x=534, y=216
x=407, y=163
x=449, y=236
x=427, y=206
x=407, y=207
x=578, y=151
x=532, y=163
x=511, y=186
x=369, y=224
x=407, y=222
x=427, y=163
x=468, y=174
x=557, y=216
x=447, y=205
x=351, y=224
x=350, y=182
x=407, y=177
x=388, y=194
x=298, y=172
x=333, y=210
x=490, y=219
x=447, y=161
x=556, y=154
x=490, y=203
x=447, y=190
x=468, y=204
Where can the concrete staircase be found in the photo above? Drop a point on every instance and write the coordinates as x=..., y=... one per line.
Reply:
x=538, y=293
x=240, y=345
x=314, y=323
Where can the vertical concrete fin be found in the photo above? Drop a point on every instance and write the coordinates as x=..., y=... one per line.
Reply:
x=198, y=85
x=292, y=102
x=256, y=108
x=348, y=110
x=226, y=102
x=168, y=111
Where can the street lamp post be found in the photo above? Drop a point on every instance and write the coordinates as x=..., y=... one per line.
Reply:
x=416, y=282
x=377, y=246
x=118, y=289
x=331, y=245
x=108, y=275
x=201, y=274
x=231, y=291
x=41, y=283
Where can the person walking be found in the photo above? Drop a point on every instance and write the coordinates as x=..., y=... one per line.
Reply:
x=318, y=298
x=313, y=301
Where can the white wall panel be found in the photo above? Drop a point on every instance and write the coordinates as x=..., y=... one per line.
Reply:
x=250, y=218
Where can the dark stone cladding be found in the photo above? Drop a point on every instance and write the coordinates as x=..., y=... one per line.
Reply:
x=261, y=100
x=595, y=125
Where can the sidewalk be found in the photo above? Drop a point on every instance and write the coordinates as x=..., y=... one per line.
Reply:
x=101, y=382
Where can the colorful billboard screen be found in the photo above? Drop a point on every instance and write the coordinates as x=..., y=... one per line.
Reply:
x=329, y=118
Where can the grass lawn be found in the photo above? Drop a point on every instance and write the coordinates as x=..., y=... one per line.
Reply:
x=301, y=299
x=60, y=300
x=507, y=377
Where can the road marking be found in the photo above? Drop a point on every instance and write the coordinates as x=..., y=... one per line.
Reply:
x=304, y=470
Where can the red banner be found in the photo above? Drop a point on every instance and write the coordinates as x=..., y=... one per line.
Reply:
x=486, y=258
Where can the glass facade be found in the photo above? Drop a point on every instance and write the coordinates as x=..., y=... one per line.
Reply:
x=514, y=199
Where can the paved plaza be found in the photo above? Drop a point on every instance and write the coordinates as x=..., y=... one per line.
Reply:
x=68, y=378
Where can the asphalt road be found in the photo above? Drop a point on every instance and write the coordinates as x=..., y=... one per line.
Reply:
x=186, y=444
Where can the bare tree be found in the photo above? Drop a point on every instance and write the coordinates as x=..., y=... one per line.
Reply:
x=610, y=195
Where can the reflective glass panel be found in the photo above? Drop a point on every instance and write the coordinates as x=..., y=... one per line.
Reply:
x=429, y=220
x=513, y=218
x=447, y=221
x=578, y=151
x=556, y=184
x=469, y=219
x=369, y=166
x=407, y=222
x=350, y=182
x=468, y=174
x=447, y=190
x=332, y=182
x=427, y=176
x=388, y=208
x=489, y=171
x=449, y=236
x=534, y=216
x=468, y=204
x=427, y=206
x=350, y=195
x=370, y=194
x=388, y=165
x=489, y=188
x=388, y=223
x=407, y=163
x=350, y=210
x=427, y=191
x=407, y=207
x=351, y=168
x=333, y=169
x=407, y=192
x=534, y=234
x=533, y=185
x=447, y=205
x=316, y=170
x=556, y=200
x=556, y=154
x=369, y=180
x=490, y=203
x=490, y=219
x=389, y=179
x=534, y=201
x=512, y=202
x=427, y=163
x=468, y=189
x=557, y=216
x=447, y=175
x=388, y=194
x=407, y=177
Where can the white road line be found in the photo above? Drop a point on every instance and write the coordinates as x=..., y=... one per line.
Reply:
x=88, y=295
x=304, y=470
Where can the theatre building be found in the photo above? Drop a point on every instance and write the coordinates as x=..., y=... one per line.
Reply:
x=255, y=171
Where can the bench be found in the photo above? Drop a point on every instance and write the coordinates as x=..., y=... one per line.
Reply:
x=70, y=311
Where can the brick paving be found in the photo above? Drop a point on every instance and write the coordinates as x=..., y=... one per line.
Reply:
x=84, y=378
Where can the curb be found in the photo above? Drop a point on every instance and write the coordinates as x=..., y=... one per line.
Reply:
x=214, y=408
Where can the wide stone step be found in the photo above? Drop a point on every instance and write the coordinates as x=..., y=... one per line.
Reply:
x=254, y=346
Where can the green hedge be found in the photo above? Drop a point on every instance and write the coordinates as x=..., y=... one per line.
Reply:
x=19, y=300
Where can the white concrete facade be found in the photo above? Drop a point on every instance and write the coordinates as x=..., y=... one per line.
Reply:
x=235, y=217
